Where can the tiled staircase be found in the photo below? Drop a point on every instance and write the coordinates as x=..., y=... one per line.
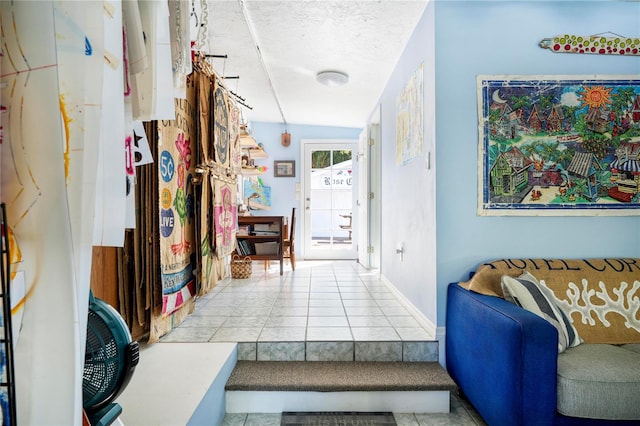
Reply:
x=396, y=376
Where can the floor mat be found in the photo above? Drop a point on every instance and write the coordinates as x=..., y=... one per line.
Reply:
x=337, y=419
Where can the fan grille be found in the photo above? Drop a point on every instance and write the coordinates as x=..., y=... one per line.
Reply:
x=102, y=362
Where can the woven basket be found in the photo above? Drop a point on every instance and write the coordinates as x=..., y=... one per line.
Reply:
x=240, y=267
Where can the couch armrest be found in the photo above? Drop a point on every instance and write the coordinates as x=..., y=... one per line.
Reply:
x=502, y=357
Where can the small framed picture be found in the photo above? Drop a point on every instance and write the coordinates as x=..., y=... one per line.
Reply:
x=284, y=168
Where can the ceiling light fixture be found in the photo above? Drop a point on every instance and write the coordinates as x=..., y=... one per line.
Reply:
x=332, y=78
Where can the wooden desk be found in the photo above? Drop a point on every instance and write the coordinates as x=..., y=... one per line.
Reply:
x=276, y=224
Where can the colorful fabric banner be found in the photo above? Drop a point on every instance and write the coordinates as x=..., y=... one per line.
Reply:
x=176, y=168
x=225, y=211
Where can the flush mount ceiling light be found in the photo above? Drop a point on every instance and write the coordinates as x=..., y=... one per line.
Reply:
x=332, y=78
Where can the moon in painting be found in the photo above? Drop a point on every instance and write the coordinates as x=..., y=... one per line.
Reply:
x=497, y=98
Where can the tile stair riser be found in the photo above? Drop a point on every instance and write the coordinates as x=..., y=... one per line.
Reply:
x=390, y=351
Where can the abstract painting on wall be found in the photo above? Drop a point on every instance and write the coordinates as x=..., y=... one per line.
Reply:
x=558, y=145
x=409, y=118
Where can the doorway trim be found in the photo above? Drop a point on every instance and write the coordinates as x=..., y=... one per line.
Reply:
x=303, y=182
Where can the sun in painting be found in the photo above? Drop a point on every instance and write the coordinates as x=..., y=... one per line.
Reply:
x=596, y=96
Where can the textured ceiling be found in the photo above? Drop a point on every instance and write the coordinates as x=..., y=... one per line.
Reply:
x=294, y=40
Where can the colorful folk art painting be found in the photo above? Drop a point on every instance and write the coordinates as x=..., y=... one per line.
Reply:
x=559, y=145
x=225, y=212
x=257, y=195
x=176, y=169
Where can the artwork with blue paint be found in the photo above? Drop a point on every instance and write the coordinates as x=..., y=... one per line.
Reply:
x=559, y=145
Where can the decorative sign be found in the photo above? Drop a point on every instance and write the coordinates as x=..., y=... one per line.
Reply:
x=559, y=145
x=594, y=44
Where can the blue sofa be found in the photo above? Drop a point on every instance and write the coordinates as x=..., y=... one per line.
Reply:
x=504, y=360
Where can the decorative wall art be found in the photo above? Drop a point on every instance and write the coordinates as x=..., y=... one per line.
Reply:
x=284, y=168
x=220, y=123
x=598, y=44
x=409, y=118
x=559, y=145
x=225, y=211
x=257, y=195
x=176, y=168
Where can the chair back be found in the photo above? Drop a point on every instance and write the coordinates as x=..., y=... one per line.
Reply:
x=292, y=225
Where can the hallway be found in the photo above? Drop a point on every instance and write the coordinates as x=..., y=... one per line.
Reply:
x=337, y=307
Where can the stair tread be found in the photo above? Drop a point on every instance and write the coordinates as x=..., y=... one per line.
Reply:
x=338, y=376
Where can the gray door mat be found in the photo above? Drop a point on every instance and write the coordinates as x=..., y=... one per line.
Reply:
x=325, y=376
x=290, y=418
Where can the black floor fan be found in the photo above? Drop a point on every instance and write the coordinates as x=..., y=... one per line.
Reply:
x=110, y=359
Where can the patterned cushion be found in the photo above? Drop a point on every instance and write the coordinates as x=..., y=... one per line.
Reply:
x=526, y=292
x=601, y=296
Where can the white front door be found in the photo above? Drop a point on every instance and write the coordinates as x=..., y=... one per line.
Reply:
x=329, y=199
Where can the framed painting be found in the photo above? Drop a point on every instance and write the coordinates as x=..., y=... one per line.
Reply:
x=284, y=168
x=559, y=145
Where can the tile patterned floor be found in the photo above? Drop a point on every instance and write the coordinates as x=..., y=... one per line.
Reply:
x=461, y=414
x=333, y=307
x=324, y=310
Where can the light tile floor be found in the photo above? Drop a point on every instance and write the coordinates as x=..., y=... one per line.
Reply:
x=318, y=302
x=321, y=301
x=462, y=413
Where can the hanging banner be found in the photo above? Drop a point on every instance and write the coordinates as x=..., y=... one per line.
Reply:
x=225, y=211
x=176, y=169
x=110, y=198
x=206, y=234
x=220, y=112
x=234, y=138
x=204, y=107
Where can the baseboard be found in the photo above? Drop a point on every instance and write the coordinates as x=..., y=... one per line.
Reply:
x=419, y=316
x=442, y=347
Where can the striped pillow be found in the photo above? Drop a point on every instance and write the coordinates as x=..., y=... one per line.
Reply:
x=526, y=292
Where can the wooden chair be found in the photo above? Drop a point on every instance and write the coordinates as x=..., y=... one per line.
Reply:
x=348, y=225
x=289, y=248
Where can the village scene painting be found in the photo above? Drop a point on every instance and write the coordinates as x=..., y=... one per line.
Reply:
x=559, y=146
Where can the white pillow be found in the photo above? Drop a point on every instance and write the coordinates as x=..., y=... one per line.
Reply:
x=526, y=292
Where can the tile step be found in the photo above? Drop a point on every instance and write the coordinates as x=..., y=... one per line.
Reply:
x=387, y=351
